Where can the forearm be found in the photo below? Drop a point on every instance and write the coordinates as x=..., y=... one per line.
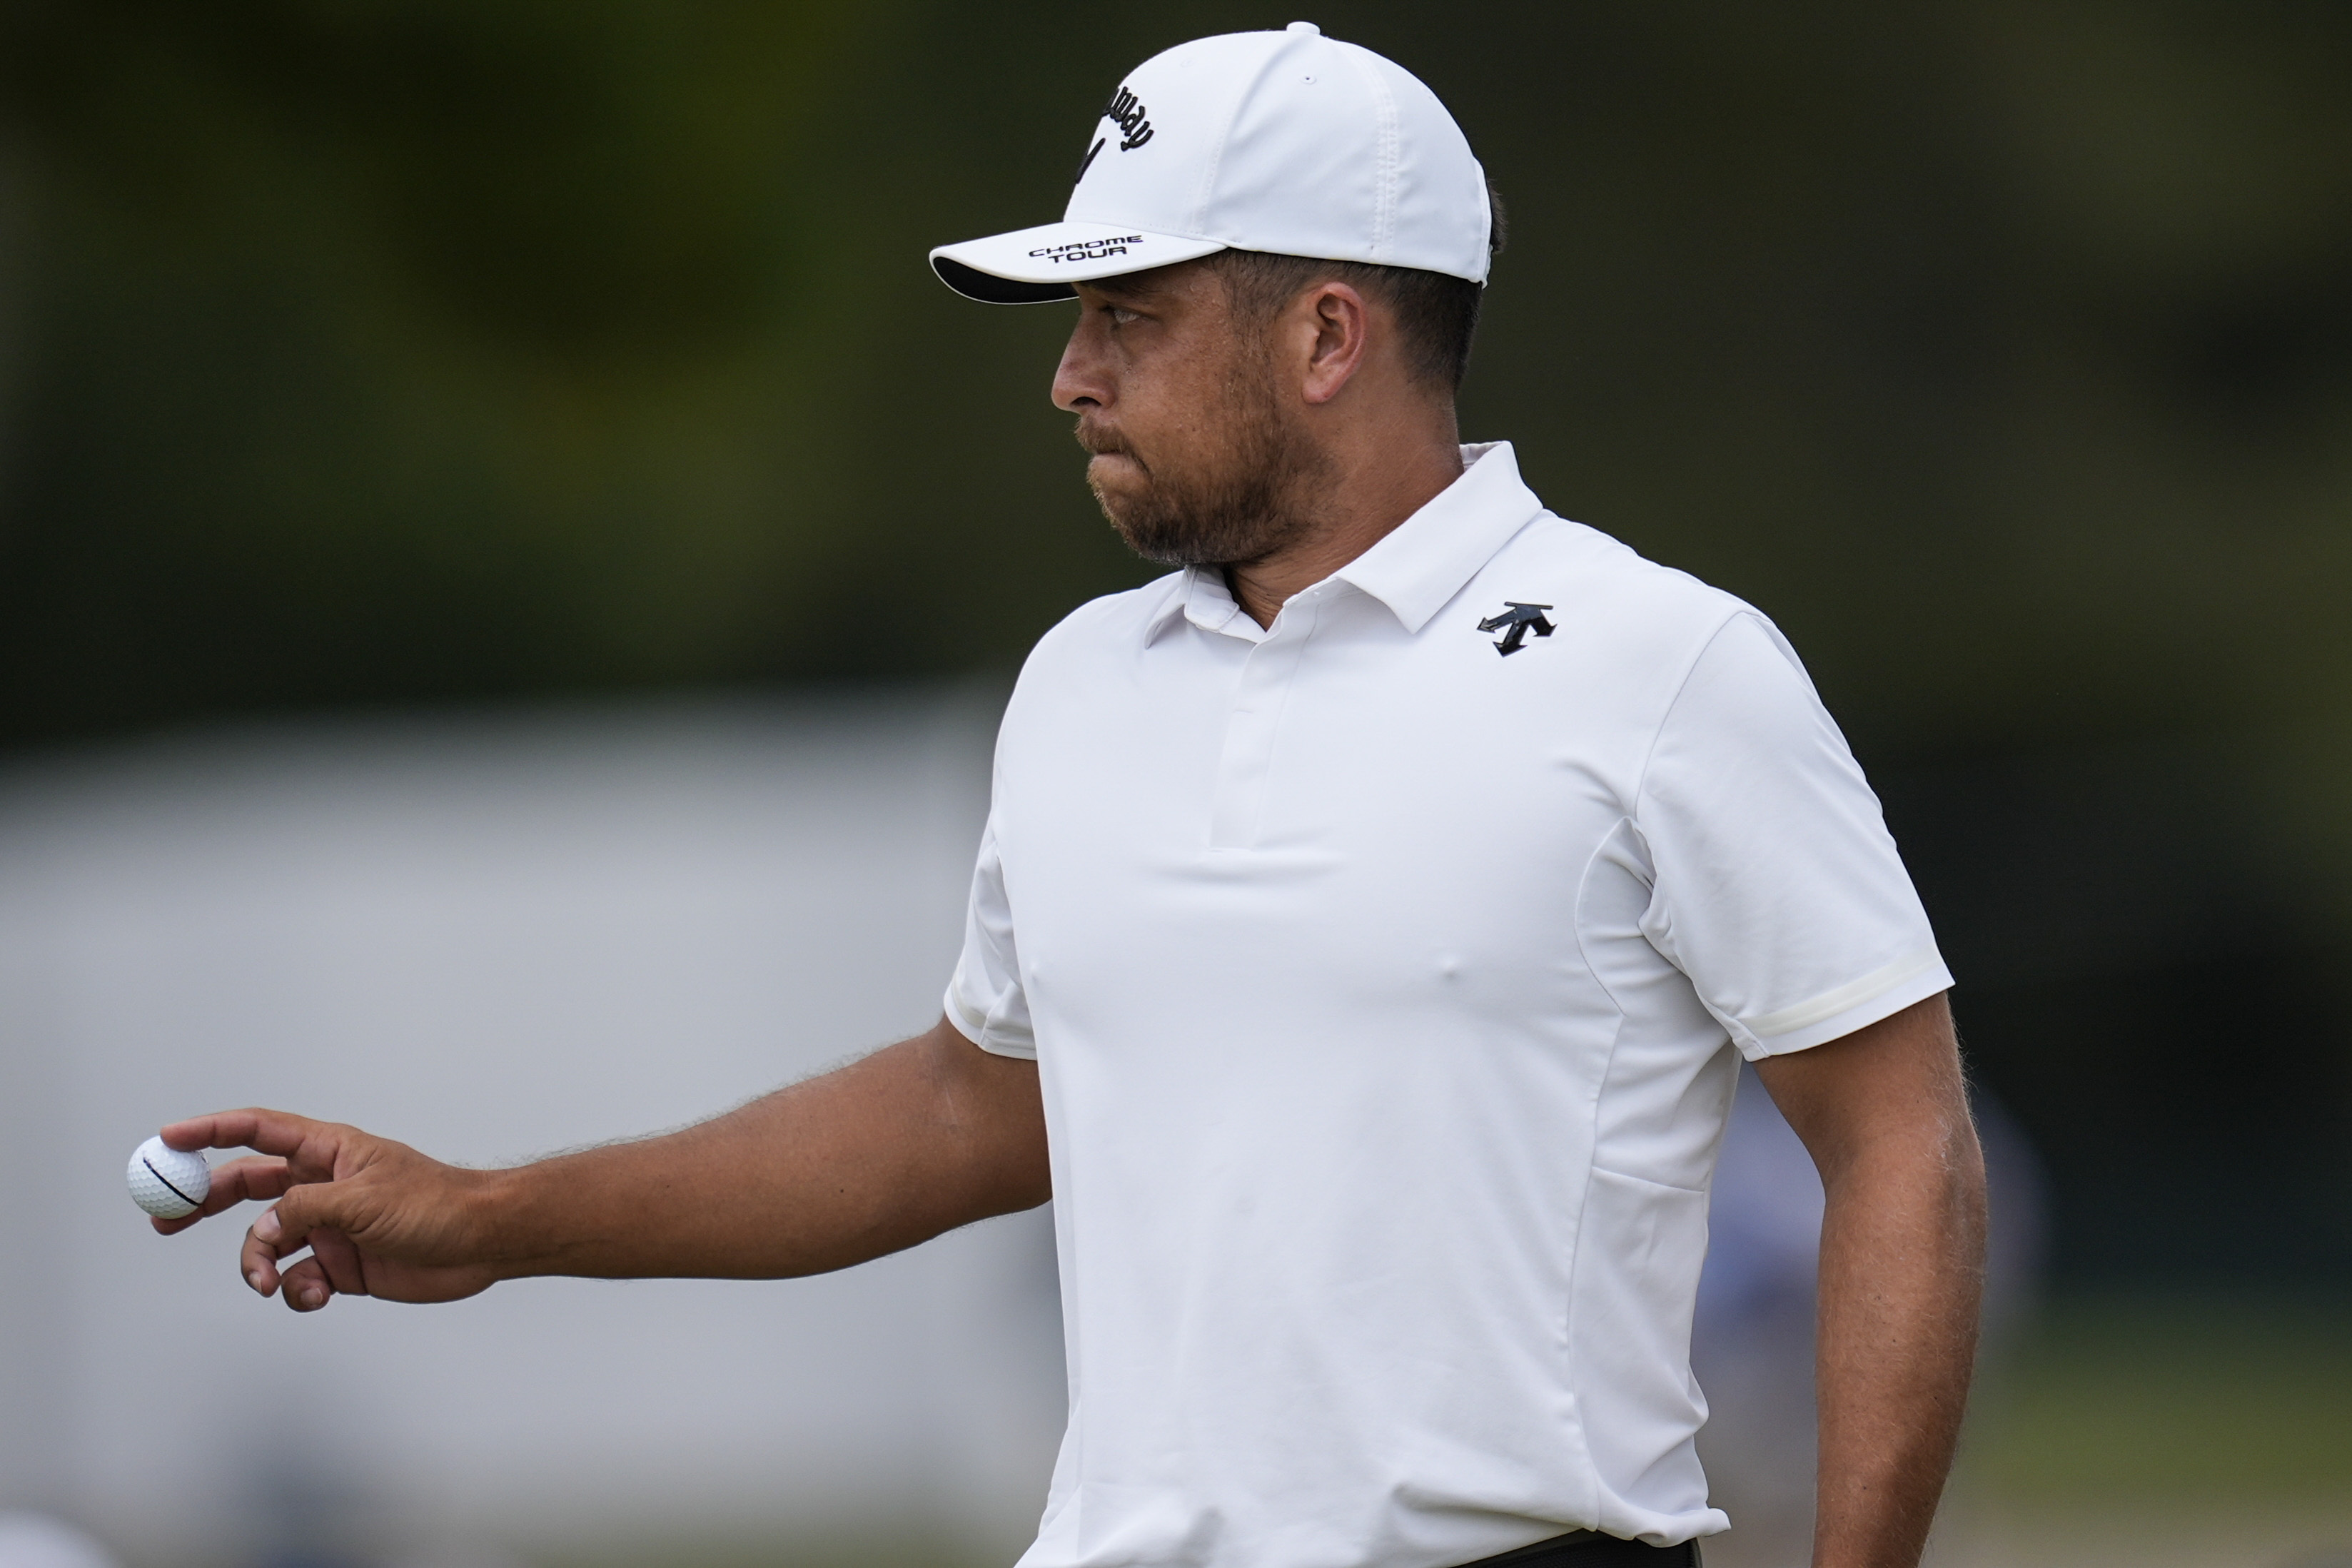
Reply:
x=1885, y=1114
x=1902, y=1252
x=915, y=1140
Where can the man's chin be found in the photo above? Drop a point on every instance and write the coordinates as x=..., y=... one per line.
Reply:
x=1121, y=490
x=1140, y=531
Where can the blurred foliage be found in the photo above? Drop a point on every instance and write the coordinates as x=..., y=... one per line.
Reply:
x=360, y=352
x=2203, y=1404
x=391, y=350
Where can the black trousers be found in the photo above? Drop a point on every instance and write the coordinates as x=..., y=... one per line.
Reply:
x=1589, y=1548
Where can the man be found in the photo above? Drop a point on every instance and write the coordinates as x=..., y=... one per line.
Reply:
x=1369, y=922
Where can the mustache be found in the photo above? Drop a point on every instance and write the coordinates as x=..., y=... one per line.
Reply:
x=1102, y=440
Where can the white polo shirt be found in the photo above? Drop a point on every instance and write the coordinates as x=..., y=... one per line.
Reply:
x=1382, y=986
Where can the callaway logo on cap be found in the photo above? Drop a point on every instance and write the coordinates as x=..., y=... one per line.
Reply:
x=1289, y=142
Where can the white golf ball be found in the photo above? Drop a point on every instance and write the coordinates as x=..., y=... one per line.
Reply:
x=167, y=1183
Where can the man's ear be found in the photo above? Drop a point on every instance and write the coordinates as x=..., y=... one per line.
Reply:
x=1341, y=325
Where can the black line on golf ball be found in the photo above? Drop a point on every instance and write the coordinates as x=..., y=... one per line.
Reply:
x=159, y=1175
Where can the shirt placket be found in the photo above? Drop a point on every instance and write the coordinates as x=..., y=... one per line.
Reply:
x=1253, y=724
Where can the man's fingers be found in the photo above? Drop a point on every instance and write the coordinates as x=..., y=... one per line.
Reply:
x=309, y=1206
x=270, y=1131
x=239, y=1181
x=257, y=1261
x=339, y=1259
x=287, y=1227
x=307, y=1286
x=260, y=1176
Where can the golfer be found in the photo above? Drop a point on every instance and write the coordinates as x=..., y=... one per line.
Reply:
x=1371, y=919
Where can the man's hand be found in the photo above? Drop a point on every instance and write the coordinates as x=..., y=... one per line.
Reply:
x=379, y=1219
x=929, y=1135
x=1884, y=1113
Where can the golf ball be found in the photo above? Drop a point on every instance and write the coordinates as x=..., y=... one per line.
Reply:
x=167, y=1183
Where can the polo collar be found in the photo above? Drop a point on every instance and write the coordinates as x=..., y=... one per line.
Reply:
x=1414, y=569
x=1424, y=561
x=1203, y=597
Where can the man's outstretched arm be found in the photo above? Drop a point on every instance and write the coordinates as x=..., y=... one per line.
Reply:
x=917, y=1139
x=1885, y=1114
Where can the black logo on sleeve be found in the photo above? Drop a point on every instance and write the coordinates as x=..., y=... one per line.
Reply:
x=1515, y=622
x=1127, y=111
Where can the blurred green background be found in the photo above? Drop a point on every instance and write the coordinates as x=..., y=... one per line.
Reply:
x=357, y=353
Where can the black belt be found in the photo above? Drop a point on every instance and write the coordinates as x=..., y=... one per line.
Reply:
x=1591, y=1549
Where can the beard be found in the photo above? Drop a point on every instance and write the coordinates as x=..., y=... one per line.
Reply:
x=1232, y=506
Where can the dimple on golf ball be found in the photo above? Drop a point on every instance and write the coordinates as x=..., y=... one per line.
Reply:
x=167, y=1182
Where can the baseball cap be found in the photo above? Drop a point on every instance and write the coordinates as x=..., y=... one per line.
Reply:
x=1289, y=142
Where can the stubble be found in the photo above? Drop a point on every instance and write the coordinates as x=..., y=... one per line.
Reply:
x=1233, y=506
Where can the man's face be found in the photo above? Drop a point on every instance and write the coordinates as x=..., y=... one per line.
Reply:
x=1199, y=458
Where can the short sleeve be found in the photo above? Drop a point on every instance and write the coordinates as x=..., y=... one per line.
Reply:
x=1778, y=889
x=984, y=999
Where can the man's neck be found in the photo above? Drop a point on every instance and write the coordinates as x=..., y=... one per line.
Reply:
x=1375, y=491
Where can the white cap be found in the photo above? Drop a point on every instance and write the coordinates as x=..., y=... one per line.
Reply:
x=1289, y=142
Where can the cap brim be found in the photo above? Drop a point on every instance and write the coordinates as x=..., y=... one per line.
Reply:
x=1030, y=267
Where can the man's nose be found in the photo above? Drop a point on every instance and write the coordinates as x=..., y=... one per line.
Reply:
x=1078, y=380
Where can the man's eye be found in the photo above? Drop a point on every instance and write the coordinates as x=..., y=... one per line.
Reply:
x=1120, y=316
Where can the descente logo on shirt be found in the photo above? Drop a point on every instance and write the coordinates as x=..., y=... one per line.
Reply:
x=1515, y=622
